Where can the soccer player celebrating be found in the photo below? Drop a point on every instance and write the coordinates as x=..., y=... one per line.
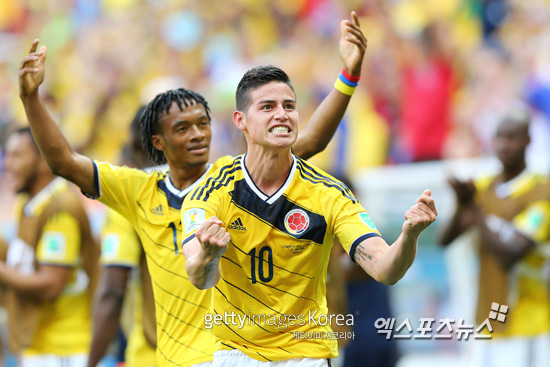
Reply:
x=269, y=271
x=175, y=130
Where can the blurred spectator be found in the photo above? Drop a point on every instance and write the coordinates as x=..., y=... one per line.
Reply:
x=488, y=90
x=427, y=87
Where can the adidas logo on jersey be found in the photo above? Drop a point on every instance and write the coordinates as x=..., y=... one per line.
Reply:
x=238, y=225
x=158, y=210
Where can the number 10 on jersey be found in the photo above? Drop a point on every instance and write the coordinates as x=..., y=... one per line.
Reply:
x=259, y=264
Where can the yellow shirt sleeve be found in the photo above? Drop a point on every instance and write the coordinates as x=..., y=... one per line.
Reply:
x=200, y=204
x=119, y=186
x=352, y=224
x=119, y=242
x=60, y=241
x=195, y=211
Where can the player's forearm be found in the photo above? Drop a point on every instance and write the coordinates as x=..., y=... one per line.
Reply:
x=105, y=325
x=54, y=147
x=34, y=285
x=204, y=272
x=56, y=150
x=320, y=129
x=388, y=265
x=461, y=221
x=503, y=239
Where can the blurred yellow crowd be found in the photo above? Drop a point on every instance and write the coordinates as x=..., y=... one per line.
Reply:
x=437, y=74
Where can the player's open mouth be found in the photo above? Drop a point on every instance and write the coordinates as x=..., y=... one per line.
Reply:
x=279, y=130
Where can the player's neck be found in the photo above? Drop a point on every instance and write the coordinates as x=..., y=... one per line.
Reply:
x=38, y=185
x=183, y=177
x=268, y=169
x=512, y=172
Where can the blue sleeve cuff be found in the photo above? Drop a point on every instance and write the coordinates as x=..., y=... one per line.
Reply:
x=187, y=240
x=96, y=184
x=358, y=241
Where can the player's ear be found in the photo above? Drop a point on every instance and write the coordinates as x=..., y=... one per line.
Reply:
x=239, y=118
x=158, y=142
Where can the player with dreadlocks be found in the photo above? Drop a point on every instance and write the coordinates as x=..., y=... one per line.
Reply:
x=175, y=129
x=159, y=106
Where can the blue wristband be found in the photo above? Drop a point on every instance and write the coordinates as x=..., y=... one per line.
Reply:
x=347, y=81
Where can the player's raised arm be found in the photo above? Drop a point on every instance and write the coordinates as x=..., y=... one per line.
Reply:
x=203, y=253
x=388, y=264
x=325, y=120
x=55, y=149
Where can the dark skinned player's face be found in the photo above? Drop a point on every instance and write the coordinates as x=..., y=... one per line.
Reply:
x=185, y=135
x=510, y=142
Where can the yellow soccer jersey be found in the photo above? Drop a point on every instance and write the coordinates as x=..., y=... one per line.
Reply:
x=152, y=205
x=119, y=242
x=270, y=301
x=525, y=202
x=120, y=246
x=64, y=326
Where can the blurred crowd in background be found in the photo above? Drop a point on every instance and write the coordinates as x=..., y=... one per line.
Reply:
x=437, y=77
x=437, y=74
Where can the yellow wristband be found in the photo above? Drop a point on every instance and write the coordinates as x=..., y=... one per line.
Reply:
x=344, y=88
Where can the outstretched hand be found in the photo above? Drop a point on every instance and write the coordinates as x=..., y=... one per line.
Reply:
x=420, y=215
x=32, y=70
x=213, y=238
x=353, y=45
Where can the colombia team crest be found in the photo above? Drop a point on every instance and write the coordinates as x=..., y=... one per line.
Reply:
x=296, y=221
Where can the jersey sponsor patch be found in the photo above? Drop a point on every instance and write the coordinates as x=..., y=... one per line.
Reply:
x=296, y=221
x=192, y=219
x=54, y=245
x=110, y=244
x=366, y=219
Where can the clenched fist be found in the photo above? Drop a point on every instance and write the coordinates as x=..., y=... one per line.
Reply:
x=213, y=237
x=420, y=215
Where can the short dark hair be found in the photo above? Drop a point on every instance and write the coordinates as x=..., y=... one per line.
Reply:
x=160, y=105
x=255, y=78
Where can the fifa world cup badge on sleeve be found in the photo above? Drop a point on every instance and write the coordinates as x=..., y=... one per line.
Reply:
x=366, y=219
x=192, y=219
x=55, y=245
x=110, y=245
